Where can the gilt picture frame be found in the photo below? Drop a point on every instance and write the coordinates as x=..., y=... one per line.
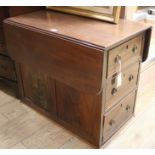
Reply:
x=105, y=13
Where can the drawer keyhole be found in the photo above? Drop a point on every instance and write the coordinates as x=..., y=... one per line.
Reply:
x=134, y=49
x=131, y=77
x=114, y=91
x=128, y=108
x=112, y=122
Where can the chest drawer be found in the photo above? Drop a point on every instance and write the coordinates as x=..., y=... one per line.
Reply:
x=7, y=69
x=114, y=119
x=125, y=54
x=116, y=88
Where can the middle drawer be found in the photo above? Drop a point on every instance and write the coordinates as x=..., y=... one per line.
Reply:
x=114, y=92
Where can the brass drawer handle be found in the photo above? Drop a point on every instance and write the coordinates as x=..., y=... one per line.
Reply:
x=117, y=58
x=128, y=107
x=134, y=49
x=112, y=122
x=114, y=91
x=131, y=77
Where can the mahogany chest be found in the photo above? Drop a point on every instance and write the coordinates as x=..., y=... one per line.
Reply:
x=82, y=72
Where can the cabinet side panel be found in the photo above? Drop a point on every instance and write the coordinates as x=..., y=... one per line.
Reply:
x=39, y=88
x=80, y=110
x=73, y=64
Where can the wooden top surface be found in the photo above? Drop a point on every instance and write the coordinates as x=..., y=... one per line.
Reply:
x=91, y=32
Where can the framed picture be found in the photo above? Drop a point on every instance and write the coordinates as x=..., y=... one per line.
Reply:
x=106, y=13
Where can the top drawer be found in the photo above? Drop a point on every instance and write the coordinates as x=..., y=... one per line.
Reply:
x=126, y=53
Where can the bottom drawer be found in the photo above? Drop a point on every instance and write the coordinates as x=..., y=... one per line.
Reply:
x=115, y=118
x=7, y=69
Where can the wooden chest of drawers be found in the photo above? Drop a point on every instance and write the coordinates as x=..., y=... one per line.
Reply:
x=84, y=73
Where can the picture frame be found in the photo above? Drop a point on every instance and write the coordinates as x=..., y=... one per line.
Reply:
x=105, y=13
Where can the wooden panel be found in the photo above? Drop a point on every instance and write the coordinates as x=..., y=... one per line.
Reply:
x=39, y=88
x=7, y=69
x=126, y=53
x=116, y=117
x=115, y=92
x=81, y=110
x=2, y=16
x=2, y=47
x=76, y=65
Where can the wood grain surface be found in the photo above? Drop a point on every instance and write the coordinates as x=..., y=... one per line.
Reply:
x=88, y=31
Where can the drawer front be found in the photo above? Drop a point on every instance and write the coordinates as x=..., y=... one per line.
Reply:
x=115, y=118
x=125, y=53
x=116, y=90
x=7, y=69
